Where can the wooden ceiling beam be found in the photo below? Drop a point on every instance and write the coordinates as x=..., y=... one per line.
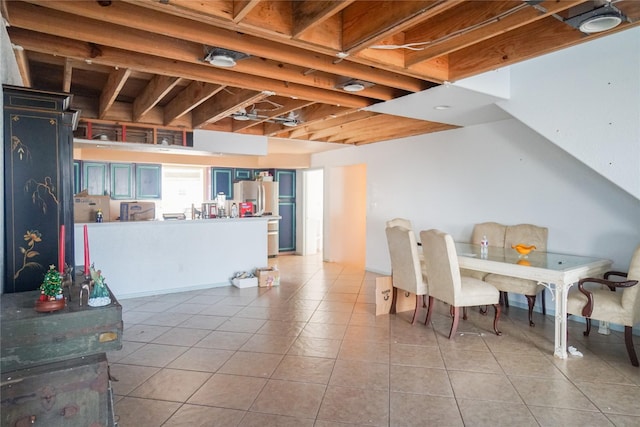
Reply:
x=67, y=74
x=223, y=105
x=23, y=64
x=116, y=81
x=366, y=23
x=189, y=98
x=474, y=22
x=241, y=8
x=27, y=16
x=156, y=65
x=120, y=13
x=310, y=14
x=153, y=93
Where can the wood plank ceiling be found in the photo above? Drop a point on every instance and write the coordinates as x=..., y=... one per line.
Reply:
x=142, y=62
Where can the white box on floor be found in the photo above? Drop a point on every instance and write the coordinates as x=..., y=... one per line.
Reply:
x=247, y=282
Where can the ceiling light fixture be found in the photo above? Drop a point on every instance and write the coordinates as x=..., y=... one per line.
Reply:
x=353, y=85
x=442, y=107
x=601, y=19
x=222, y=61
x=224, y=58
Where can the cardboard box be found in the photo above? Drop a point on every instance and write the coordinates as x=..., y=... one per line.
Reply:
x=268, y=277
x=247, y=282
x=137, y=211
x=86, y=207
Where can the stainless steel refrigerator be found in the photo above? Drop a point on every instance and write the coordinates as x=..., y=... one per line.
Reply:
x=264, y=196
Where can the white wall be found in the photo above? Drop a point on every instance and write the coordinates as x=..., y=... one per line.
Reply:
x=586, y=99
x=345, y=209
x=500, y=172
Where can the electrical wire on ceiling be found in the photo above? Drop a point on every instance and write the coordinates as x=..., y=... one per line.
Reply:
x=425, y=44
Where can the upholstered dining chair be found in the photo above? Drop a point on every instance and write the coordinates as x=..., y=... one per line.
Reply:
x=406, y=272
x=618, y=303
x=447, y=285
x=530, y=235
x=494, y=233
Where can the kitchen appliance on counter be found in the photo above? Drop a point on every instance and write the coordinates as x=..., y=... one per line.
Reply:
x=264, y=196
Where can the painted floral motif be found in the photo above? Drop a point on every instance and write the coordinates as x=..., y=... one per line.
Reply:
x=42, y=193
x=31, y=237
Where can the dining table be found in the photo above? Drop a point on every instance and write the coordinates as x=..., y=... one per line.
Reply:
x=556, y=272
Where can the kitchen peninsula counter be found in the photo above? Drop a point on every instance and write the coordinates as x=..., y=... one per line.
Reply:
x=139, y=258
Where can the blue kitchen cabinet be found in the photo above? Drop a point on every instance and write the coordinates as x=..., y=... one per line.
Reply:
x=240, y=174
x=148, y=181
x=95, y=178
x=77, y=176
x=286, y=179
x=222, y=182
x=121, y=181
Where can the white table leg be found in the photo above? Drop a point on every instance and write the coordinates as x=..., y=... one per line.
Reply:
x=561, y=321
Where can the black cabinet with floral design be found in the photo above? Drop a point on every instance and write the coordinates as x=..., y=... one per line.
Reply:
x=38, y=184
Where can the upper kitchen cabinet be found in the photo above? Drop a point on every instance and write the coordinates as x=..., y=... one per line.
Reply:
x=286, y=182
x=121, y=181
x=95, y=178
x=222, y=182
x=77, y=176
x=240, y=174
x=148, y=181
x=38, y=184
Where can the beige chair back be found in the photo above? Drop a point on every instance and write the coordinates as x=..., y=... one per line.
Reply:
x=441, y=262
x=631, y=296
x=495, y=233
x=401, y=222
x=527, y=234
x=405, y=260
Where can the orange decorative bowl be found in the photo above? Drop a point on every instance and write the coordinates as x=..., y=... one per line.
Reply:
x=523, y=249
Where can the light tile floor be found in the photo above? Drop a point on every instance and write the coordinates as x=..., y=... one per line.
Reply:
x=311, y=352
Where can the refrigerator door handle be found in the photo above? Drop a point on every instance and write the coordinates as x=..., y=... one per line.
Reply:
x=260, y=199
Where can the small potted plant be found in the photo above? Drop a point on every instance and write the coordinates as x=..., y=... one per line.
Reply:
x=51, y=298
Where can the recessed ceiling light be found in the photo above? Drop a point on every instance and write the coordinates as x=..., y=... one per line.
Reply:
x=442, y=107
x=353, y=87
x=222, y=61
x=600, y=23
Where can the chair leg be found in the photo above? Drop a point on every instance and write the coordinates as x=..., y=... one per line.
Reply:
x=483, y=311
x=588, y=330
x=454, y=324
x=415, y=310
x=628, y=341
x=464, y=313
x=544, y=304
x=496, y=317
x=531, y=300
x=429, y=311
x=394, y=300
x=504, y=298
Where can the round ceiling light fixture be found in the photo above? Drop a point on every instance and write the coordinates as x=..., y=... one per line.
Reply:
x=353, y=87
x=600, y=23
x=442, y=107
x=222, y=61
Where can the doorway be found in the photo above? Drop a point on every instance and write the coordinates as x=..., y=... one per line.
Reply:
x=312, y=241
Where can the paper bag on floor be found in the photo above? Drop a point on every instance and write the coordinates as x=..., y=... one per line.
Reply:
x=406, y=301
x=383, y=295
